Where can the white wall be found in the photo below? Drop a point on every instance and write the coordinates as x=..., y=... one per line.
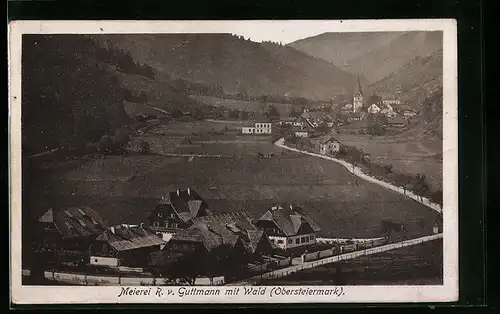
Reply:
x=301, y=134
x=247, y=130
x=286, y=241
x=104, y=261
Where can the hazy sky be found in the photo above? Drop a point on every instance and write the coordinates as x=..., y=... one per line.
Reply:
x=280, y=31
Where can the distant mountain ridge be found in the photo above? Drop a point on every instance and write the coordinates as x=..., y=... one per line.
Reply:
x=413, y=82
x=236, y=64
x=372, y=54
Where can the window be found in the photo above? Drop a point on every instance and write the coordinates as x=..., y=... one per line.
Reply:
x=280, y=241
x=290, y=241
x=297, y=241
x=172, y=215
x=302, y=240
x=156, y=224
x=311, y=237
x=96, y=260
x=160, y=214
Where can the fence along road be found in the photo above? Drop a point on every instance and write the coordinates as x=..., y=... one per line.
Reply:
x=358, y=172
x=334, y=259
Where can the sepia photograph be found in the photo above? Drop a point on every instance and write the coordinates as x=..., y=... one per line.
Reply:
x=252, y=159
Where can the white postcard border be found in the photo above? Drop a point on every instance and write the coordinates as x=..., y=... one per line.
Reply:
x=67, y=294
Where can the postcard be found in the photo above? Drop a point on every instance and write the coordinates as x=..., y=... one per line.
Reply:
x=291, y=161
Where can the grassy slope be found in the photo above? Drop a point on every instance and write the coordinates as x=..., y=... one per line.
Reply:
x=415, y=79
x=328, y=192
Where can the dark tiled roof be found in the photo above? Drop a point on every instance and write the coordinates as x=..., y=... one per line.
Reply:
x=223, y=228
x=126, y=238
x=329, y=140
x=75, y=222
x=186, y=203
x=289, y=219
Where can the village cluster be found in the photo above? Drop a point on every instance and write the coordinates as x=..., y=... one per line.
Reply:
x=395, y=113
x=180, y=225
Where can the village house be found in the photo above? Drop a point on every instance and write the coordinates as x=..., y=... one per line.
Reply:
x=69, y=229
x=388, y=111
x=177, y=209
x=234, y=231
x=329, y=146
x=373, y=109
x=391, y=102
x=346, y=107
x=303, y=131
x=259, y=127
x=124, y=246
x=408, y=114
x=288, y=226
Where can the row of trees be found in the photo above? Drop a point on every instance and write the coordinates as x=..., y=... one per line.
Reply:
x=416, y=183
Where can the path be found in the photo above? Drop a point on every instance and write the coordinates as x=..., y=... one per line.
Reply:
x=297, y=265
x=358, y=172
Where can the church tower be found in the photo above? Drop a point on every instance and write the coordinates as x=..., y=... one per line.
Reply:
x=357, y=102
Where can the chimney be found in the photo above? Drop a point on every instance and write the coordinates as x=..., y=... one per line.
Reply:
x=178, y=192
x=189, y=191
x=112, y=229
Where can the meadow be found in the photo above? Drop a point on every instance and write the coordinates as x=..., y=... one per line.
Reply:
x=415, y=265
x=411, y=152
x=125, y=189
x=245, y=105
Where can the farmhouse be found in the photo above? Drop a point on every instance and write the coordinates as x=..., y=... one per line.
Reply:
x=259, y=127
x=374, y=109
x=234, y=231
x=391, y=102
x=388, y=111
x=330, y=146
x=288, y=226
x=70, y=229
x=124, y=245
x=237, y=225
x=175, y=211
x=303, y=131
x=408, y=114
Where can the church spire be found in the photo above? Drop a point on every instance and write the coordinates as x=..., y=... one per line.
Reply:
x=360, y=90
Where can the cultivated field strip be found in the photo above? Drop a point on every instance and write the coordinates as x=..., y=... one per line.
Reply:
x=358, y=172
x=334, y=259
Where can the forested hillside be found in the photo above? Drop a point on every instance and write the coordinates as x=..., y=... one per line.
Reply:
x=236, y=64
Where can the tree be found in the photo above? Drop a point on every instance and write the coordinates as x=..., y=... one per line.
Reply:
x=176, y=113
x=273, y=113
x=374, y=99
x=144, y=147
x=182, y=269
x=323, y=128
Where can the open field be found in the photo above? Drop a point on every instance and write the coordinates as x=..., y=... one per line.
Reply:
x=125, y=189
x=409, y=152
x=244, y=105
x=207, y=137
x=415, y=265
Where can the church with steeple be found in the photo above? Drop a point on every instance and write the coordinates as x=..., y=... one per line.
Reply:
x=357, y=102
